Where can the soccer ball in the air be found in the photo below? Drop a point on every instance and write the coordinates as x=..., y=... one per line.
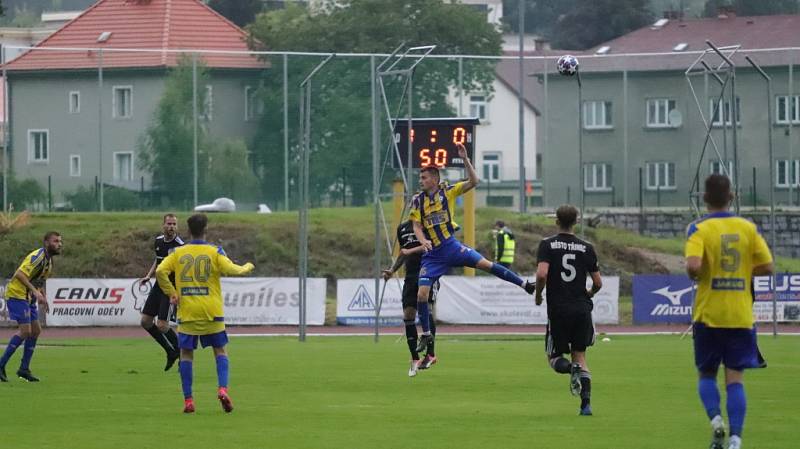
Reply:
x=567, y=65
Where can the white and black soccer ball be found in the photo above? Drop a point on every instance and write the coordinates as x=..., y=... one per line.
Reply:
x=567, y=65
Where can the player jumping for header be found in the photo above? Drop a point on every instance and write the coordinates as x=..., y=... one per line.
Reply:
x=432, y=216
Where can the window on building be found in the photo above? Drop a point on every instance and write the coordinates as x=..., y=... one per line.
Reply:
x=74, y=102
x=478, y=107
x=718, y=168
x=74, y=165
x=123, y=166
x=787, y=109
x=658, y=110
x=725, y=107
x=660, y=175
x=123, y=102
x=208, y=104
x=491, y=166
x=786, y=173
x=597, y=177
x=38, y=145
x=253, y=106
x=597, y=115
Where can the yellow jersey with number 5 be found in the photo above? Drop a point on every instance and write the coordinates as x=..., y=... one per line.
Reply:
x=730, y=247
x=198, y=267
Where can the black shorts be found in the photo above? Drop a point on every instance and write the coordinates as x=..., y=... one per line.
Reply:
x=569, y=332
x=157, y=304
x=410, y=289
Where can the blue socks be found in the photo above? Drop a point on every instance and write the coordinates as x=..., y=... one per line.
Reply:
x=737, y=406
x=506, y=274
x=185, y=367
x=709, y=394
x=27, y=354
x=222, y=370
x=424, y=313
x=13, y=344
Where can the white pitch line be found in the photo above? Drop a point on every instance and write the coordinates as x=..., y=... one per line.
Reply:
x=456, y=334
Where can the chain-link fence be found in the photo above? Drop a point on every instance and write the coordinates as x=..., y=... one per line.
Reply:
x=116, y=129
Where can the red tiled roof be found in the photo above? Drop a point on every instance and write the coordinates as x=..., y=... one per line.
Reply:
x=141, y=24
x=753, y=34
x=749, y=32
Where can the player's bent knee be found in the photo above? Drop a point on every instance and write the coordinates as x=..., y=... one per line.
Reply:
x=163, y=326
x=146, y=321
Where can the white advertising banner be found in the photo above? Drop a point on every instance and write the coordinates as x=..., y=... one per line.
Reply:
x=355, y=302
x=463, y=300
x=118, y=302
x=488, y=300
x=272, y=301
x=4, y=321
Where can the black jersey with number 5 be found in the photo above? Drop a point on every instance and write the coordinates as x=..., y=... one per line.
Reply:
x=571, y=260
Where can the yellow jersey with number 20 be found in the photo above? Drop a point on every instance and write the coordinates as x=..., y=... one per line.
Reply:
x=730, y=247
x=198, y=267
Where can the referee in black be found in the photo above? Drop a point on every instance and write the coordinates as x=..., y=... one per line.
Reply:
x=411, y=256
x=157, y=304
x=564, y=262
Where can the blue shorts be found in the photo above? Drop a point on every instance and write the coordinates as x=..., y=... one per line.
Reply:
x=22, y=311
x=451, y=253
x=737, y=349
x=218, y=340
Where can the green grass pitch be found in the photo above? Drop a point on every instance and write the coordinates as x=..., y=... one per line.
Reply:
x=347, y=392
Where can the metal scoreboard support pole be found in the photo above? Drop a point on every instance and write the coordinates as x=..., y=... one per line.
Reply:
x=400, y=65
x=305, y=151
x=772, y=242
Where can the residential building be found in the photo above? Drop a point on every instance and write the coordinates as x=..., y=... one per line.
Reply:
x=643, y=131
x=70, y=132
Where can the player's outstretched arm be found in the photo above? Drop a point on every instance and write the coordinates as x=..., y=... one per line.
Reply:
x=163, y=271
x=150, y=273
x=472, y=176
x=597, y=284
x=426, y=244
x=541, y=280
x=228, y=268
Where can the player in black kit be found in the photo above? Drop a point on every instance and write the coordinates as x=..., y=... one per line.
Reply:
x=564, y=262
x=411, y=255
x=157, y=304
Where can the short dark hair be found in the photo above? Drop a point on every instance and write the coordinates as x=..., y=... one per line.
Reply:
x=169, y=215
x=567, y=216
x=718, y=191
x=431, y=169
x=500, y=223
x=197, y=224
x=51, y=234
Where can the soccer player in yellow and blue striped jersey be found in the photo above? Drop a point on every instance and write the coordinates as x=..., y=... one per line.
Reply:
x=432, y=217
x=197, y=267
x=723, y=253
x=24, y=295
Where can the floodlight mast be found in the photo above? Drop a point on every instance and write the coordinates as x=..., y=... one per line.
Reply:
x=728, y=68
x=401, y=65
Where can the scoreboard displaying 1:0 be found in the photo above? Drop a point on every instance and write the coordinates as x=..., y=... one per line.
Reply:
x=433, y=141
